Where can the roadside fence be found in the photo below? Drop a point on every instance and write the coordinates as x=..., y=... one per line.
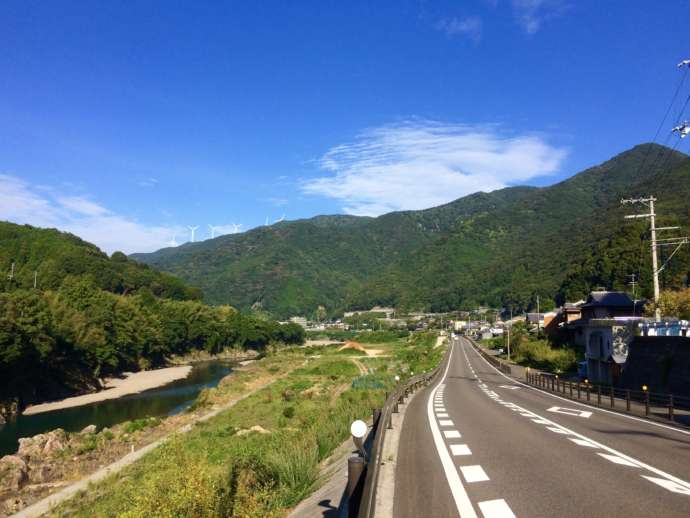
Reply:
x=638, y=402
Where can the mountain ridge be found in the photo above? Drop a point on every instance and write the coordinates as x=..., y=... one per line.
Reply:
x=497, y=247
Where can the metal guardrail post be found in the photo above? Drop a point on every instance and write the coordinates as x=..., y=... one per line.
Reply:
x=578, y=390
x=646, y=403
x=355, y=481
x=588, y=391
x=670, y=407
x=570, y=385
x=612, y=400
x=598, y=395
x=627, y=400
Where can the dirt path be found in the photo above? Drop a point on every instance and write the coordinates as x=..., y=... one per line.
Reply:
x=362, y=368
x=439, y=340
x=46, y=504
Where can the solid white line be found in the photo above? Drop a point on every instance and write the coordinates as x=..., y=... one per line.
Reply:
x=474, y=474
x=625, y=416
x=445, y=422
x=460, y=449
x=452, y=434
x=676, y=481
x=462, y=501
x=556, y=430
x=496, y=509
x=618, y=460
x=583, y=442
x=669, y=485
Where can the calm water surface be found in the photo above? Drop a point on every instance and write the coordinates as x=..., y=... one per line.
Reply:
x=166, y=400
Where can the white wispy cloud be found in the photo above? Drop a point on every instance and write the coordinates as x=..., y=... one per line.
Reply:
x=531, y=14
x=42, y=206
x=148, y=182
x=419, y=164
x=470, y=27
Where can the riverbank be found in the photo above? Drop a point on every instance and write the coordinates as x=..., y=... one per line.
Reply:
x=131, y=383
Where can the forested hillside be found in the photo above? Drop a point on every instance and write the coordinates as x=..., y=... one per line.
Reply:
x=501, y=248
x=91, y=316
x=53, y=255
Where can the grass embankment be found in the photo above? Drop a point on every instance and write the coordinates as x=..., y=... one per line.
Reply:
x=262, y=456
x=538, y=354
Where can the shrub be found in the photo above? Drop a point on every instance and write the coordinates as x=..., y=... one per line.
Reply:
x=289, y=412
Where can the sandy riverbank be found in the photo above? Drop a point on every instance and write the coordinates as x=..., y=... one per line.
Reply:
x=132, y=383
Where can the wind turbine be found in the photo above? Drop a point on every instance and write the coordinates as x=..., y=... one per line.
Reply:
x=193, y=230
x=266, y=221
x=236, y=228
x=213, y=230
x=281, y=218
x=173, y=242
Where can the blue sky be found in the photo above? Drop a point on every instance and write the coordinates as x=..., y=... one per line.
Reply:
x=123, y=122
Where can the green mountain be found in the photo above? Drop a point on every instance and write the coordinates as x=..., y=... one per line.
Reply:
x=54, y=255
x=502, y=248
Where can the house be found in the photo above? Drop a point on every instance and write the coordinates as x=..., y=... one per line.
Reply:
x=605, y=329
x=300, y=321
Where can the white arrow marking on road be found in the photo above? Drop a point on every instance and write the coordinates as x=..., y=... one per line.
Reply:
x=570, y=411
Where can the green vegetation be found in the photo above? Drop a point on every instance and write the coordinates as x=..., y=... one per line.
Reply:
x=501, y=249
x=101, y=317
x=537, y=353
x=262, y=456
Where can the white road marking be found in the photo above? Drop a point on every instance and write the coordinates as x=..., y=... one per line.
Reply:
x=460, y=449
x=496, y=509
x=669, y=485
x=462, y=501
x=570, y=411
x=474, y=474
x=670, y=482
x=540, y=421
x=445, y=422
x=452, y=434
x=618, y=460
x=441, y=415
x=583, y=442
x=556, y=430
x=511, y=387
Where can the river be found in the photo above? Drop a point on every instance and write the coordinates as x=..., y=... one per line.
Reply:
x=162, y=401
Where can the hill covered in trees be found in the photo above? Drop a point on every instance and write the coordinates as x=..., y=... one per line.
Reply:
x=92, y=316
x=501, y=248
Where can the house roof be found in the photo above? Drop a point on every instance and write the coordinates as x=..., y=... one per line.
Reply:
x=608, y=299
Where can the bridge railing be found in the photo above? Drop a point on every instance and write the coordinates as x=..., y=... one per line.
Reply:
x=645, y=403
x=365, y=506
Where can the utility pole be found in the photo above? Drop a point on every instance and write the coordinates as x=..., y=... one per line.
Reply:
x=538, y=317
x=673, y=241
x=633, y=284
x=510, y=325
x=35, y=278
x=11, y=275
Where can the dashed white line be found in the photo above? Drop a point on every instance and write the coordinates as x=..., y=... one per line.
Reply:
x=496, y=509
x=474, y=474
x=452, y=434
x=583, y=442
x=445, y=422
x=439, y=415
x=460, y=449
x=462, y=501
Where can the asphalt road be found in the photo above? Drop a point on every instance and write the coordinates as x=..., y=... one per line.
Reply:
x=480, y=444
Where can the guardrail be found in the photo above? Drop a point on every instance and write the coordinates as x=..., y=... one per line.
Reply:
x=637, y=402
x=496, y=362
x=365, y=506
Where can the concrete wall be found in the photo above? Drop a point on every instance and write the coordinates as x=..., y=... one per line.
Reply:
x=660, y=362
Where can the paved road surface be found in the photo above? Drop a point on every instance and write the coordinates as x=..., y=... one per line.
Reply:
x=480, y=444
